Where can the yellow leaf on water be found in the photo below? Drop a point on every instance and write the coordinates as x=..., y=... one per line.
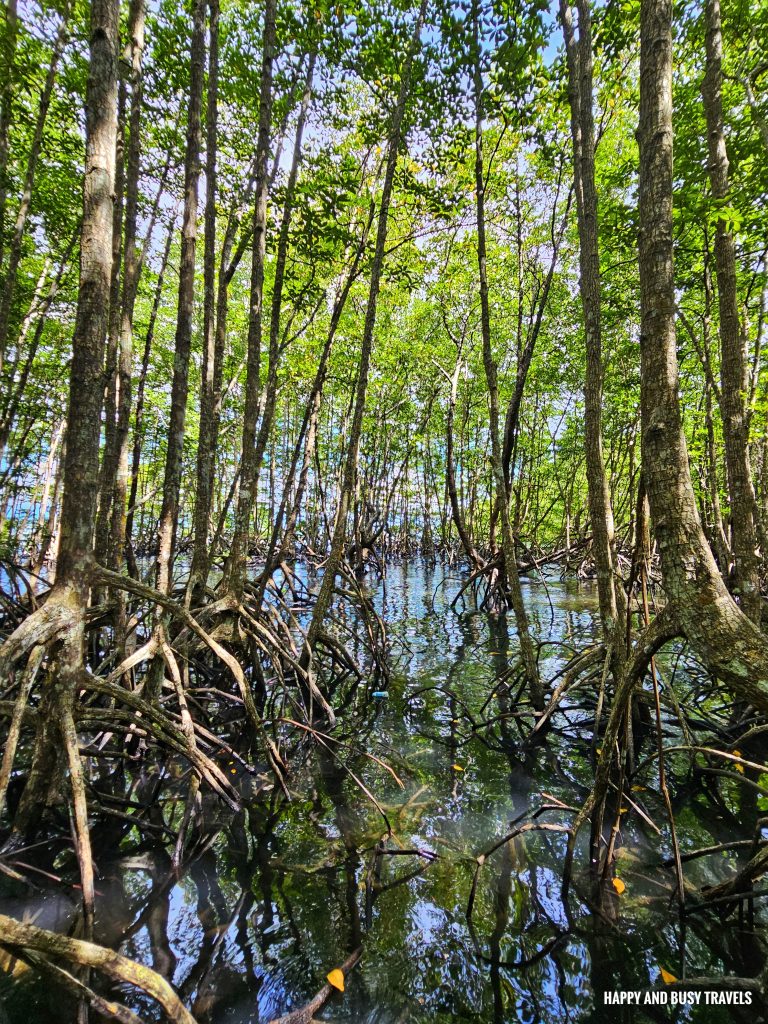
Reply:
x=666, y=977
x=638, y=789
x=457, y=768
x=619, y=886
x=623, y=810
x=336, y=978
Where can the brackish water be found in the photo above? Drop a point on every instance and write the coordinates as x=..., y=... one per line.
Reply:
x=281, y=893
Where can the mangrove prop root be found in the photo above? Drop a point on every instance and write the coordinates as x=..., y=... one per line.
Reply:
x=663, y=628
x=59, y=976
x=88, y=954
x=529, y=826
x=166, y=731
x=80, y=815
x=14, y=729
x=753, y=869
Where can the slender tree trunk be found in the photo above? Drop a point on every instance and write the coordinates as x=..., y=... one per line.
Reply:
x=213, y=372
x=734, y=370
x=347, y=488
x=450, y=468
x=277, y=546
x=52, y=460
x=208, y=431
x=580, y=91
x=17, y=387
x=721, y=544
x=85, y=396
x=525, y=354
x=138, y=420
x=235, y=571
x=270, y=391
x=109, y=454
x=63, y=614
x=527, y=649
x=132, y=263
x=46, y=532
x=719, y=540
x=179, y=389
x=727, y=642
x=226, y=271
x=252, y=463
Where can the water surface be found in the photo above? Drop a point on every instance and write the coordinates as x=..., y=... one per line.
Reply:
x=283, y=892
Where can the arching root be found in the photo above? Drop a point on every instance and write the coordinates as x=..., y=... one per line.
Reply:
x=663, y=629
x=14, y=933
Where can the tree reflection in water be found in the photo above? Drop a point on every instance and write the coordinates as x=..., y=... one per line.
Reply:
x=269, y=899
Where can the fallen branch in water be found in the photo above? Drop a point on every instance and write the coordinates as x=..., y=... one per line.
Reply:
x=516, y=830
x=88, y=954
x=107, y=1007
x=306, y=1013
x=727, y=984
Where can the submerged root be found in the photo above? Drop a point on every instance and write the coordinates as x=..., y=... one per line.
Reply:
x=14, y=729
x=615, y=769
x=571, y=676
x=663, y=629
x=17, y=935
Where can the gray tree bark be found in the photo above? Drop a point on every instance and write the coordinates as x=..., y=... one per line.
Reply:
x=63, y=615
x=132, y=264
x=527, y=649
x=731, y=647
x=208, y=431
x=236, y=565
x=734, y=370
x=580, y=92
x=183, y=344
